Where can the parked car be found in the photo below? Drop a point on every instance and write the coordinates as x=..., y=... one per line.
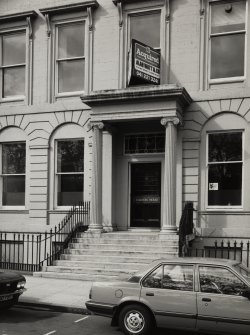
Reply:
x=11, y=287
x=196, y=294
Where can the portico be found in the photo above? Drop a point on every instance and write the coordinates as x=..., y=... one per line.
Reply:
x=135, y=149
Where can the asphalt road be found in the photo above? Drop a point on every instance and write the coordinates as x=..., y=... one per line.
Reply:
x=22, y=320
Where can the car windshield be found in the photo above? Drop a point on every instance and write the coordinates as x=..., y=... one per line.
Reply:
x=245, y=272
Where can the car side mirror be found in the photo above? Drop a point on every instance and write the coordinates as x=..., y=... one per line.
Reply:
x=246, y=293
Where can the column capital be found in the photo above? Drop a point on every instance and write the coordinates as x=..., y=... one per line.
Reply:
x=173, y=120
x=99, y=125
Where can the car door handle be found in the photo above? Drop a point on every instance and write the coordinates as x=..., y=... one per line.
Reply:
x=206, y=299
x=150, y=294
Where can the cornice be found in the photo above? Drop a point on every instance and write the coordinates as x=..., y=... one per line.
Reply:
x=115, y=2
x=142, y=93
x=74, y=7
x=17, y=16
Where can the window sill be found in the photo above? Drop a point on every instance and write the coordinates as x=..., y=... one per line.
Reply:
x=69, y=95
x=226, y=80
x=14, y=210
x=223, y=211
x=13, y=101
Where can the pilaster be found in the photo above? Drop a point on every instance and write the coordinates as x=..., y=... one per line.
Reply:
x=38, y=204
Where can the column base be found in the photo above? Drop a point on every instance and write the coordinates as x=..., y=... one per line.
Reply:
x=168, y=233
x=95, y=228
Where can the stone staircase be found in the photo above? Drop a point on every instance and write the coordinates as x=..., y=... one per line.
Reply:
x=110, y=255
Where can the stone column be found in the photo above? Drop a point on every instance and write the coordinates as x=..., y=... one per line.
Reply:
x=169, y=185
x=96, y=181
x=107, y=183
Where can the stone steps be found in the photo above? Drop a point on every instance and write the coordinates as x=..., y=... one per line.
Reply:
x=158, y=253
x=131, y=236
x=117, y=258
x=77, y=276
x=110, y=256
x=87, y=264
x=124, y=245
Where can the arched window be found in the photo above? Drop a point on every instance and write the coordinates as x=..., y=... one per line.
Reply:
x=12, y=168
x=67, y=153
x=224, y=158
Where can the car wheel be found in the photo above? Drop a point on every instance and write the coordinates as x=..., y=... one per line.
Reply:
x=135, y=319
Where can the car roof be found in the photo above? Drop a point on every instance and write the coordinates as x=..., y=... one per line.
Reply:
x=188, y=260
x=197, y=260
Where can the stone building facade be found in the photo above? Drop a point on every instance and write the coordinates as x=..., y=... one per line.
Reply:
x=72, y=128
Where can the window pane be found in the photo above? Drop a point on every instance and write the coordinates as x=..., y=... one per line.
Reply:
x=221, y=281
x=227, y=56
x=13, y=158
x=146, y=29
x=14, y=82
x=70, y=155
x=71, y=41
x=154, y=280
x=13, y=190
x=70, y=189
x=178, y=277
x=224, y=184
x=71, y=76
x=228, y=16
x=224, y=147
x=14, y=49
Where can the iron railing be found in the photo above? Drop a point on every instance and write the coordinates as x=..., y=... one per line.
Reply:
x=239, y=251
x=31, y=251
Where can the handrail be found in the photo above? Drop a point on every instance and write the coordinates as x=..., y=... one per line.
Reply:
x=32, y=251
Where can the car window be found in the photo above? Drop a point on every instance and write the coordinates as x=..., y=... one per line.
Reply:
x=243, y=271
x=172, y=277
x=154, y=279
x=220, y=280
x=178, y=277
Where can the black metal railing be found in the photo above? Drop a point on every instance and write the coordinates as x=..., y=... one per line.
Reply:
x=30, y=251
x=239, y=251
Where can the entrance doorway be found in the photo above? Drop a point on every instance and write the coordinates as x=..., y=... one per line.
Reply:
x=145, y=195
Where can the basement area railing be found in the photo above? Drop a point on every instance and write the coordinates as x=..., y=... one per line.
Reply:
x=31, y=251
x=239, y=251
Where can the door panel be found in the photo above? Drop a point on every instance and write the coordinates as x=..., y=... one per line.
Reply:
x=145, y=195
x=168, y=291
x=223, y=313
x=221, y=307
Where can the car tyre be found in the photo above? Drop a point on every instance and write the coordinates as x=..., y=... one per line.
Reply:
x=135, y=320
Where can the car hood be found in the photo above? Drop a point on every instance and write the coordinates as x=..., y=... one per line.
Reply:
x=10, y=276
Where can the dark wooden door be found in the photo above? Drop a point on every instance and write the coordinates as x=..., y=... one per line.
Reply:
x=145, y=195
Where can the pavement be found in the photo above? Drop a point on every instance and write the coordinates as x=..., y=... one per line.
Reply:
x=58, y=294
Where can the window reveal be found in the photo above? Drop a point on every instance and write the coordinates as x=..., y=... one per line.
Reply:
x=146, y=29
x=70, y=169
x=13, y=64
x=225, y=162
x=227, y=39
x=70, y=57
x=13, y=174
